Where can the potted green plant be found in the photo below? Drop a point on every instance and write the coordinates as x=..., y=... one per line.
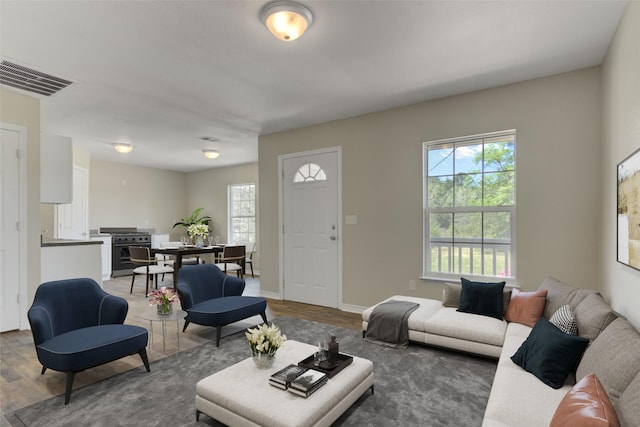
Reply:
x=193, y=219
x=197, y=226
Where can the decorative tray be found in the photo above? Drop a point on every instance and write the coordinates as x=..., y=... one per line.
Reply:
x=344, y=360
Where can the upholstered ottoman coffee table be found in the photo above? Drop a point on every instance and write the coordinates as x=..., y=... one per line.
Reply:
x=240, y=395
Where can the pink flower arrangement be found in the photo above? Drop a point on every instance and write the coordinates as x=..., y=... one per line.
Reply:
x=162, y=296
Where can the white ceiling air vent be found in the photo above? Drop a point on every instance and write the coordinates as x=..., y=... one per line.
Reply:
x=30, y=80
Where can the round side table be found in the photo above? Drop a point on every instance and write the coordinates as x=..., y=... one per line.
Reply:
x=175, y=316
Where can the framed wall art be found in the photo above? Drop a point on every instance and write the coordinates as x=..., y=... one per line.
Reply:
x=629, y=210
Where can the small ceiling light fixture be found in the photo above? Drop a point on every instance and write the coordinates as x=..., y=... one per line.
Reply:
x=211, y=154
x=287, y=20
x=209, y=138
x=123, y=148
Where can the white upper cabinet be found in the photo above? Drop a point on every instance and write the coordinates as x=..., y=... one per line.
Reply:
x=56, y=169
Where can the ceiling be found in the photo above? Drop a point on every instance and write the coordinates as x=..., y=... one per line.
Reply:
x=161, y=74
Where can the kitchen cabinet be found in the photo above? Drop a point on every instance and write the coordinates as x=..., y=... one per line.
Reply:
x=157, y=238
x=105, y=255
x=69, y=259
x=56, y=169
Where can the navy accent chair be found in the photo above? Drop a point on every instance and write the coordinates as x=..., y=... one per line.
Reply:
x=213, y=298
x=76, y=325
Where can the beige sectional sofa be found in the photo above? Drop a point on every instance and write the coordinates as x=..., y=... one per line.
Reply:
x=519, y=398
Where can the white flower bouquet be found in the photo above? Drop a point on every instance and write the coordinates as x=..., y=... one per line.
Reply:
x=265, y=339
x=195, y=230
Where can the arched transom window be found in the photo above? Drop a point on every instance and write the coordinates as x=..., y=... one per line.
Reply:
x=309, y=172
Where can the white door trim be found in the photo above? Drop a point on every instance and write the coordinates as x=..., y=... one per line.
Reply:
x=24, y=223
x=281, y=160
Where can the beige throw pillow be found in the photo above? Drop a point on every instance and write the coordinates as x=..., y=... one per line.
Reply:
x=451, y=295
x=593, y=315
x=559, y=294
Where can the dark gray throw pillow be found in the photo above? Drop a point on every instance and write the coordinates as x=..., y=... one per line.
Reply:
x=452, y=291
x=550, y=354
x=482, y=298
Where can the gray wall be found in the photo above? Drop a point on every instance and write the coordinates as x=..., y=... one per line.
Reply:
x=558, y=179
x=122, y=195
x=621, y=137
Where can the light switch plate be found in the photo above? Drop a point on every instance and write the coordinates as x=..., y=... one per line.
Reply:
x=351, y=219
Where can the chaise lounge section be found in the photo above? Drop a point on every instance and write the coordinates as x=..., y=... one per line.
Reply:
x=521, y=395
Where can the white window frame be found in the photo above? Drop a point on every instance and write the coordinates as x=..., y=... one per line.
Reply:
x=230, y=214
x=447, y=276
x=309, y=172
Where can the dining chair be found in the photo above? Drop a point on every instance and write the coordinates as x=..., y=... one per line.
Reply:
x=250, y=248
x=232, y=260
x=144, y=264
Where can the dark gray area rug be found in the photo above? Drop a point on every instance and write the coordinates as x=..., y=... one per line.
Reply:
x=415, y=386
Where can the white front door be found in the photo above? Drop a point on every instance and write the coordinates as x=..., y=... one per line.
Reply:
x=71, y=218
x=311, y=229
x=10, y=250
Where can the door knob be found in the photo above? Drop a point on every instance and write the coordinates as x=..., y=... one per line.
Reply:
x=333, y=237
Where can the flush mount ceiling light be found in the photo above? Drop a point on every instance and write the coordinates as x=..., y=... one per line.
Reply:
x=123, y=148
x=211, y=154
x=287, y=20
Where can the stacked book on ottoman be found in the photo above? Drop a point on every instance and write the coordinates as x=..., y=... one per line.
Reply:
x=298, y=380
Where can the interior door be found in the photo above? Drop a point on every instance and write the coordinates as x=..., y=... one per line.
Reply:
x=310, y=214
x=72, y=218
x=9, y=230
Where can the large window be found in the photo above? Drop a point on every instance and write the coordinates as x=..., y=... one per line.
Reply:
x=242, y=213
x=469, y=207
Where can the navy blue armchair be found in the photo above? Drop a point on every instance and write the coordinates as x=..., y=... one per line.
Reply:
x=213, y=298
x=76, y=325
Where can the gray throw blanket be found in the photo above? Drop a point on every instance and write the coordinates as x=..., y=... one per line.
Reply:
x=389, y=324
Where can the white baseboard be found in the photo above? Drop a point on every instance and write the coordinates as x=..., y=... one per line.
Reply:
x=272, y=295
x=344, y=307
x=352, y=308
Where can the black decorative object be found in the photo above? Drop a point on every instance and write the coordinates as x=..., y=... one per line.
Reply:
x=344, y=360
x=332, y=354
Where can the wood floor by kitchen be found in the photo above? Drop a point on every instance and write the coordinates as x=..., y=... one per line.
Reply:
x=21, y=383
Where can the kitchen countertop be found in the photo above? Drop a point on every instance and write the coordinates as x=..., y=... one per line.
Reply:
x=67, y=242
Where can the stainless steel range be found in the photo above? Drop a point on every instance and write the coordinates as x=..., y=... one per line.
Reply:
x=121, y=239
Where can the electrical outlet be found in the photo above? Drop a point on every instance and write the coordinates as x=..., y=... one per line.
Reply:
x=412, y=285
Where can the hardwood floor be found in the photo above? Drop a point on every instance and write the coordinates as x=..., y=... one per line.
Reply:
x=21, y=383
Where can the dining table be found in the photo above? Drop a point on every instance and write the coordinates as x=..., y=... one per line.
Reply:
x=181, y=251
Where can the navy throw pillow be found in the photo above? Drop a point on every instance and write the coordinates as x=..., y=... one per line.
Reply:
x=482, y=298
x=550, y=354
